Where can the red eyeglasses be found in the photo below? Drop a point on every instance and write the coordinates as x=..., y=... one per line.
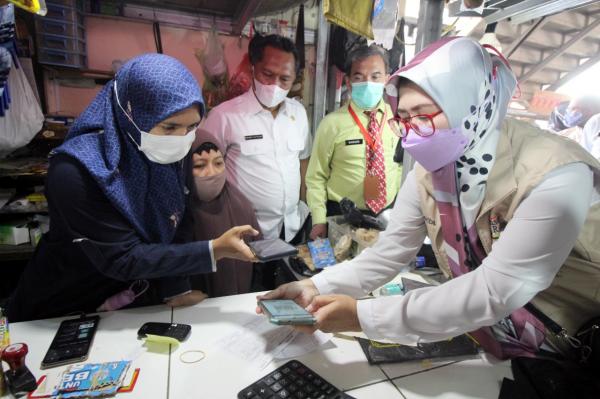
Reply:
x=421, y=124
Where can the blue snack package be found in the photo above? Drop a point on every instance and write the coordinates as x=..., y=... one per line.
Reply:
x=321, y=253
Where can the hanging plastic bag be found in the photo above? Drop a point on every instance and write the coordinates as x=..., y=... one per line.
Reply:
x=33, y=6
x=385, y=19
x=212, y=60
x=24, y=119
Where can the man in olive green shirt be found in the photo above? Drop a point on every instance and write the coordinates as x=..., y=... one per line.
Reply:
x=338, y=164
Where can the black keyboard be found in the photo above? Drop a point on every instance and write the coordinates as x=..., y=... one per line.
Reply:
x=292, y=380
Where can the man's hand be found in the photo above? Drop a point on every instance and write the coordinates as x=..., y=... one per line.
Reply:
x=302, y=292
x=318, y=231
x=189, y=299
x=231, y=244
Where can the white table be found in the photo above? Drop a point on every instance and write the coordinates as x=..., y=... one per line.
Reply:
x=116, y=339
x=222, y=374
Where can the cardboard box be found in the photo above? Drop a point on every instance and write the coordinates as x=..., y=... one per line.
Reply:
x=14, y=234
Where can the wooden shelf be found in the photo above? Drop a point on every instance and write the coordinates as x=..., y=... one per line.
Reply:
x=16, y=252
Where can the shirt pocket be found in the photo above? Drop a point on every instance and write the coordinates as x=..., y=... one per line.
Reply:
x=348, y=151
x=295, y=144
x=254, y=147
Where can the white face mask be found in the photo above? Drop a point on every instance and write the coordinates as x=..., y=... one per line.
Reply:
x=166, y=149
x=269, y=95
x=160, y=149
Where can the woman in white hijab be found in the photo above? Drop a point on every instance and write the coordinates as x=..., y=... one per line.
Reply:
x=505, y=205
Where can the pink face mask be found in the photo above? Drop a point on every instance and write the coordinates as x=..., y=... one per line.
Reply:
x=438, y=150
x=125, y=297
x=209, y=187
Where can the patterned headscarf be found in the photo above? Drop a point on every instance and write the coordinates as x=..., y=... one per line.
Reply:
x=152, y=87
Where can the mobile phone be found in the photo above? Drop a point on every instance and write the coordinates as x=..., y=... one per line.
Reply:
x=173, y=330
x=286, y=312
x=267, y=250
x=72, y=342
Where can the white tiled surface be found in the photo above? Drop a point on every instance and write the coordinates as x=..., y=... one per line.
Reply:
x=380, y=390
x=223, y=375
x=476, y=378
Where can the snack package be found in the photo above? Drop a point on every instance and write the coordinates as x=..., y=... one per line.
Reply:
x=321, y=253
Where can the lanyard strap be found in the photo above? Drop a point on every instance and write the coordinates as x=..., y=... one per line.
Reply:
x=364, y=131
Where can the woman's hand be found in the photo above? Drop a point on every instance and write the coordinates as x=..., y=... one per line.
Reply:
x=231, y=244
x=302, y=292
x=189, y=299
x=334, y=313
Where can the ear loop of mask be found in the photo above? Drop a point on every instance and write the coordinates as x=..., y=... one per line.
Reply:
x=127, y=115
x=143, y=285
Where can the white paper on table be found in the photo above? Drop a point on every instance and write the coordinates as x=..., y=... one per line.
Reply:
x=301, y=344
x=259, y=342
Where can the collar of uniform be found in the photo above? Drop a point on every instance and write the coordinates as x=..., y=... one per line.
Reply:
x=252, y=106
x=380, y=107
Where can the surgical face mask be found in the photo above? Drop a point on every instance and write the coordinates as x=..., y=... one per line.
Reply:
x=438, y=150
x=572, y=118
x=166, y=149
x=160, y=149
x=269, y=95
x=367, y=94
x=209, y=187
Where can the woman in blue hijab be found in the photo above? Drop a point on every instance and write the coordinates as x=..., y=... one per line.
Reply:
x=116, y=195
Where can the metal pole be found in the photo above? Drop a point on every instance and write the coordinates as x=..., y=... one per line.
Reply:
x=429, y=29
x=321, y=70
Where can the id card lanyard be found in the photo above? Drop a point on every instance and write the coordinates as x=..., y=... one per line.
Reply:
x=364, y=131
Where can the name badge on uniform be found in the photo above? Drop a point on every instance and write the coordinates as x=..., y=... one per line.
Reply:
x=253, y=137
x=354, y=142
x=495, y=227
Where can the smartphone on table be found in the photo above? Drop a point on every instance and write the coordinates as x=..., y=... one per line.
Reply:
x=72, y=342
x=273, y=249
x=173, y=330
x=286, y=312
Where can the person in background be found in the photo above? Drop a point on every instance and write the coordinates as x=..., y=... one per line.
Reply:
x=353, y=153
x=511, y=210
x=115, y=191
x=214, y=206
x=591, y=136
x=569, y=118
x=267, y=143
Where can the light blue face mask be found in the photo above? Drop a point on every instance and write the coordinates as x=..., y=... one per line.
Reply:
x=572, y=118
x=367, y=94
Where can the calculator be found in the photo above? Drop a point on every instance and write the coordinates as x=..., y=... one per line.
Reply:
x=292, y=380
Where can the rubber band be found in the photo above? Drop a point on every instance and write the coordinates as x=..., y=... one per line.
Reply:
x=199, y=352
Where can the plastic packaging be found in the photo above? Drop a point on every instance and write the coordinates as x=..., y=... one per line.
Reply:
x=33, y=6
x=391, y=289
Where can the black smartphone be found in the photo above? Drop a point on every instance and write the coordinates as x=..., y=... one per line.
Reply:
x=72, y=342
x=173, y=330
x=276, y=248
x=286, y=312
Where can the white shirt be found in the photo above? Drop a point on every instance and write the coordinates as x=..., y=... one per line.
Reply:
x=263, y=158
x=523, y=262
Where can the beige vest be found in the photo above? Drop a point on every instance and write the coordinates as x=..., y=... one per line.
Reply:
x=526, y=154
